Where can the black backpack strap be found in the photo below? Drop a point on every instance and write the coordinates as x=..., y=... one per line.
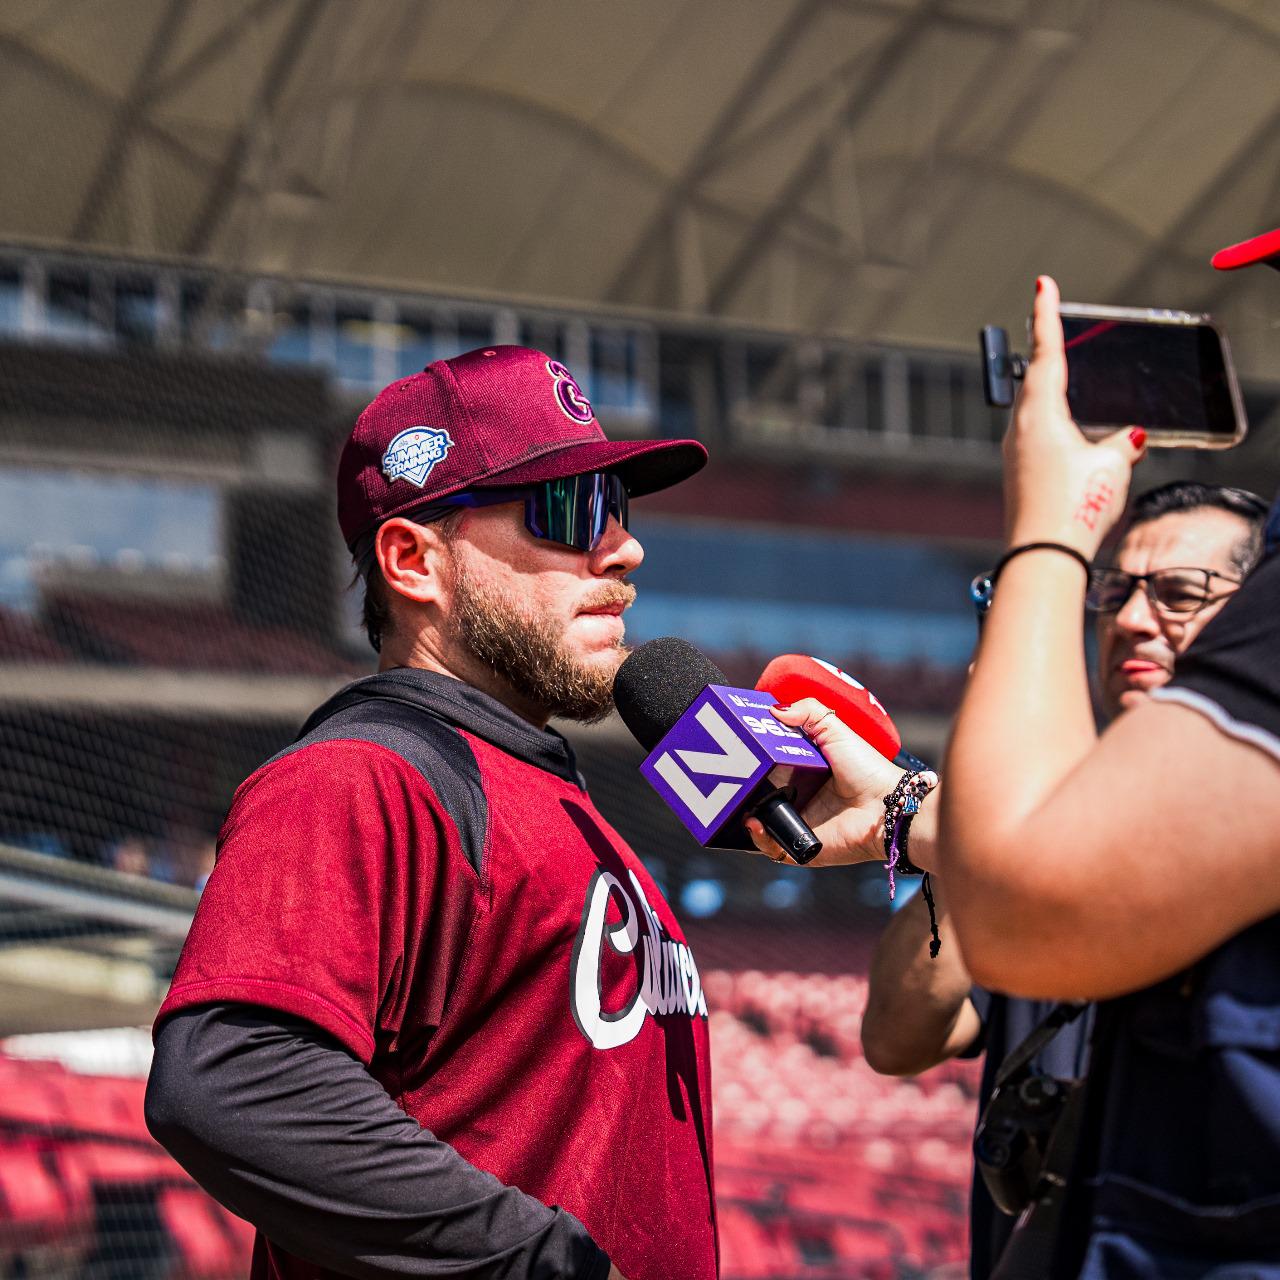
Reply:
x=1034, y=1248
x=431, y=745
x=1047, y=1242
x=1019, y=1058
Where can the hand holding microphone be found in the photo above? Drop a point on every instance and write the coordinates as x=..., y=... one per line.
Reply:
x=735, y=767
x=716, y=755
x=847, y=813
x=858, y=739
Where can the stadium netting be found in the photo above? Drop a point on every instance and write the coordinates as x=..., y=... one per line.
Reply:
x=174, y=603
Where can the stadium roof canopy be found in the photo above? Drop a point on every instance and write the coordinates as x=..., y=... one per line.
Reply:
x=883, y=169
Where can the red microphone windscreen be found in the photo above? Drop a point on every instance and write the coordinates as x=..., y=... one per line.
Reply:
x=794, y=676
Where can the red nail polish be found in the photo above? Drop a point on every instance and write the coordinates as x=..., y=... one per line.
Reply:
x=1039, y=284
x=782, y=706
x=1138, y=438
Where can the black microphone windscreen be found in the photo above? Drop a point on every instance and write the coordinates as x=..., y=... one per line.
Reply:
x=655, y=686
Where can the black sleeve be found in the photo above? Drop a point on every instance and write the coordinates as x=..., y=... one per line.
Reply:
x=1231, y=672
x=980, y=998
x=286, y=1128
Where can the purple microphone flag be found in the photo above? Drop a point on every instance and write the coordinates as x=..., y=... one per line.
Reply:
x=714, y=757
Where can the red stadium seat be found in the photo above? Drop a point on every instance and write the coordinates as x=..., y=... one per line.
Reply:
x=104, y=1105
x=824, y=1168
x=747, y=1247
x=205, y=637
x=73, y=1178
x=119, y=1165
x=241, y=1232
x=205, y=1247
x=28, y=1100
x=33, y=1208
x=866, y=1241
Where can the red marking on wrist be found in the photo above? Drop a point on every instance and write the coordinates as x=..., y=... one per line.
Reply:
x=1097, y=498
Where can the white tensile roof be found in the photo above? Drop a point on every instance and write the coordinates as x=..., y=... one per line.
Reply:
x=882, y=169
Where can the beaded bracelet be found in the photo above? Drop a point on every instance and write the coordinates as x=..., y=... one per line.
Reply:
x=900, y=806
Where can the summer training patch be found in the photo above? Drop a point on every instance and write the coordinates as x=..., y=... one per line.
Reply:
x=414, y=453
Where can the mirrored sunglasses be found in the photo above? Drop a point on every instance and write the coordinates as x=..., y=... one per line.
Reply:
x=573, y=511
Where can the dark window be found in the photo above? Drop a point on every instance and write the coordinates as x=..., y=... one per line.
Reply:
x=291, y=335
x=543, y=335
x=354, y=343
x=10, y=298
x=612, y=376
x=137, y=310
x=415, y=344
x=69, y=306
x=873, y=377
x=920, y=399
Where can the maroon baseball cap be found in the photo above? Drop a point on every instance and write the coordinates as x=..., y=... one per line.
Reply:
x=499, y=417
x=1263, y=248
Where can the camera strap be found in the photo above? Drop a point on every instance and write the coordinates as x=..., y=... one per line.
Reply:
x=1031, y=1251
x=1019, y=1058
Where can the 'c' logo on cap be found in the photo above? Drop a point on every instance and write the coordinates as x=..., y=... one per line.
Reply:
x=414, y=453
x=573, y=404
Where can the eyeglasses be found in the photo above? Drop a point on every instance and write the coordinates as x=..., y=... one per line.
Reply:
x=1172, y=592
x=572, y=510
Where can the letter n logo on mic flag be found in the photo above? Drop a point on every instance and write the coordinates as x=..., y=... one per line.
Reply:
x=735, y=759
x=709, y=763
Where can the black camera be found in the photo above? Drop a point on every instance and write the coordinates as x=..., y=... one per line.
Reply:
x=1013, y=1137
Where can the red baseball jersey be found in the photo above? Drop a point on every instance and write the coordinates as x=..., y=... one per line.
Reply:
x=532, y=1001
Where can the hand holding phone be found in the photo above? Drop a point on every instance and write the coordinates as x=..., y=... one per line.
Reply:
x=1169, y=372
x=1060, y=487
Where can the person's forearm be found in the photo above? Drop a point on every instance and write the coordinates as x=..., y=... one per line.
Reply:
x=918, y=1009
x=1024, y=725
x=1026, y=719
x=288, y=1130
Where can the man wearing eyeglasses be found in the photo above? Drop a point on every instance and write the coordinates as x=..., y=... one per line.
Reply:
x=1187, y=548
x=433, y=1016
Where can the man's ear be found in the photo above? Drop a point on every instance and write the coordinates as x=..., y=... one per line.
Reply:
x=413, y=559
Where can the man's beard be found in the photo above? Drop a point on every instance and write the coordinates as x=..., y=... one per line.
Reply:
x=528, y=654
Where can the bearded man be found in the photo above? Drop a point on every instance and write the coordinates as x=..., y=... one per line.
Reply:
x=433, y=1016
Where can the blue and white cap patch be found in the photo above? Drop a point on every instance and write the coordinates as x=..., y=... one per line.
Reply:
x=413, y=454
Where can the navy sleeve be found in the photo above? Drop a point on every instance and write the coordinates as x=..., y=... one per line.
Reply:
x=1231, y=672
x=279, y=1122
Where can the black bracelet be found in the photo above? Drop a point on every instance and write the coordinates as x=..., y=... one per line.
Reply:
x=1084, y=560
x=935, y=938
x=900, y=806
x=904, y=866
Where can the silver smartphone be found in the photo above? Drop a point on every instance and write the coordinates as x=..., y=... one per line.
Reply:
x=1169, y=372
